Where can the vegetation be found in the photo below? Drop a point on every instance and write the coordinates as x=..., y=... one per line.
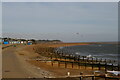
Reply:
x=32, y=40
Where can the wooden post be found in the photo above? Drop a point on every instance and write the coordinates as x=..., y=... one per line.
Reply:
x=93, y=77
x=81, y=75
x=73, y=58
x=88, y=59
x=65, y=64
x=60, y=57
x=79, y=58
x=110, y=61
x=106, y=76
x=118, y=67
x=85, y=64
x=61, y=54
x=92, y=63
x=83, y=58
x=55, y=56
x=69, y=57
x=105, y=65
x=58, y=63
x=72, y=64
x=100, y=60
x=99, y=65
x=78, y=65
x=51, y=56
x=114, y=61
x=52, y=63
x=96, y=60
x=112, y=67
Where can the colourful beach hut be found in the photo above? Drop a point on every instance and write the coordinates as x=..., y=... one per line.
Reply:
x=29, y=43
x=5, y=42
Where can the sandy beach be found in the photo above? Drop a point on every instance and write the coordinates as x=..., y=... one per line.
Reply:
x=15, y=66
x=21, y=63
x=0, y=61
x=22, y=55
x=30, y=54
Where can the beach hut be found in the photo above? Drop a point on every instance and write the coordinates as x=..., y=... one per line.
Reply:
x=29, y=43
x=5, y=42
x=24, y=42
x=10, y=42
x=18, y=42
x=21, y=42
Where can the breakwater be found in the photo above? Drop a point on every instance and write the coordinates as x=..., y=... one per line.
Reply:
x=71, y=59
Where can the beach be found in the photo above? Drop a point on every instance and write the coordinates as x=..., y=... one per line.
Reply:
x=56, y=70
x=22, y=55
x=26, y=58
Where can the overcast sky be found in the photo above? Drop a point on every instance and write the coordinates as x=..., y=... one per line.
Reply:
x=69, y=22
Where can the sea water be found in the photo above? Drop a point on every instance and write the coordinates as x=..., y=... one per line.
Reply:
x=100, y=51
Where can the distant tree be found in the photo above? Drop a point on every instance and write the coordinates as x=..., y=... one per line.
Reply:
x=33, y=40
x=5, y=39
x=23, y=39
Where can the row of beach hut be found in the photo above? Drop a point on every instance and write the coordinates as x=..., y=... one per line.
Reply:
x=17, y=42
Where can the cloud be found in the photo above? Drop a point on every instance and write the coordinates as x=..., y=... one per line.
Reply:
x=63, y=18
x=60, y=0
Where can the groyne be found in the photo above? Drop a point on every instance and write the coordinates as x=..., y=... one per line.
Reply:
x=70, y=59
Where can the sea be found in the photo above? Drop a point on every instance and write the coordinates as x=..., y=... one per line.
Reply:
x=100, y=51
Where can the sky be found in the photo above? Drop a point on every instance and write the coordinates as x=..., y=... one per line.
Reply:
x=66, y=21
x=0, y=19
x=60, y=0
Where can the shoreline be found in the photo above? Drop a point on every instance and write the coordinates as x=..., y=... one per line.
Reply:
x=43, y=50
x=57, y=70
x=55, y=45
x=30, y=56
